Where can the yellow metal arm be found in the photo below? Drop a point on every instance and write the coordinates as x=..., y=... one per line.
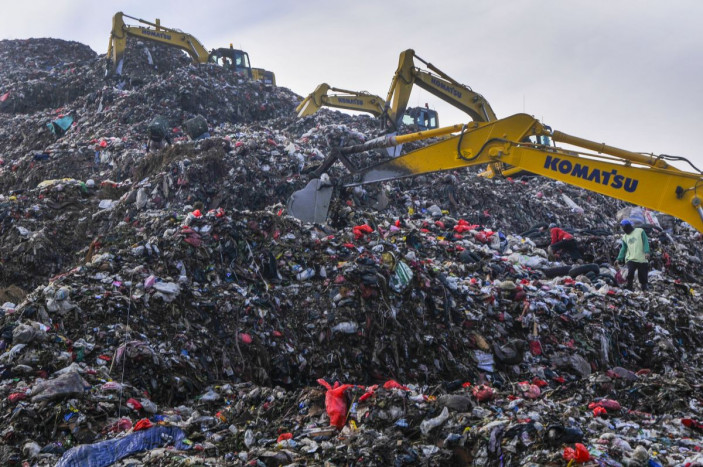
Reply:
x=152, y=32
x=342, y=99
x=616, y=173
x=437, y=83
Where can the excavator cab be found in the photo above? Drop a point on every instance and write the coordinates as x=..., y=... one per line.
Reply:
x=236, y=60
x=423, y=117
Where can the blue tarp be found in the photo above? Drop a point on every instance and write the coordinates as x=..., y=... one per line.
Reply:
x=60, y=125
x=108, y=452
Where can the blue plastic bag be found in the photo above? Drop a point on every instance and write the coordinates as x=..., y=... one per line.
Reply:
x=108, y=452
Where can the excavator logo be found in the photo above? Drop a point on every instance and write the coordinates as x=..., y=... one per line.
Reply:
x=445, y=88
x=161, y=35
x=346, y=100
x=611, y=177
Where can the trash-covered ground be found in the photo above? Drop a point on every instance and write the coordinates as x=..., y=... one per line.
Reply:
x=160, y=308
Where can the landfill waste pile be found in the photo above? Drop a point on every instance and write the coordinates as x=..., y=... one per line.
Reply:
x=159, y=306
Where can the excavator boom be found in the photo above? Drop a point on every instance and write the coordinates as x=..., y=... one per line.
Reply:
x=633, y=177
x=151, y=32
x=651, y=183
x=327, y=96
x=237, y=60
x=342, y=99
x=435, y=82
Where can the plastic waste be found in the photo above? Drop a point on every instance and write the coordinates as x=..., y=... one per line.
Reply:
x=428, y=425
x=59, y=126
x=335, y=404
x=401, y=278
x=346, y=327
x=108, y=452
x=67, y=385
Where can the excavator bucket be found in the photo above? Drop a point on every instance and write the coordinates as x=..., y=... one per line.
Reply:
x=312, y=202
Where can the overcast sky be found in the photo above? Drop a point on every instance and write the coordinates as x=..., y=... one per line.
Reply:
x=627, y=73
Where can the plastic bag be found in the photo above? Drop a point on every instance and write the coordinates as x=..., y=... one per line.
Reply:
x=401, y=278
x=580, y=454
x=335, y=402
x=483, y=393
x=195, y=127
x=427, y=425
x=68, y=385
x=361, y=230
x=158, y=128
x=393, y=384
x=108, y=452
x=59, y=126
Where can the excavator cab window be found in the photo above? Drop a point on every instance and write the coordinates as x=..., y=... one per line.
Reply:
x=543, y=140
x=233, y=59
x=423, y=118
x=430, y=119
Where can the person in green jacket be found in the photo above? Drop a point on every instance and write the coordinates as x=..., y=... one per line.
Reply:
x=635, y=253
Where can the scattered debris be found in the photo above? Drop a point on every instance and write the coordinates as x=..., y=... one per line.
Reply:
x=160, y=305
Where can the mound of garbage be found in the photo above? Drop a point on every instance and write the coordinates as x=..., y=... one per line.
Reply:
x=160, y=307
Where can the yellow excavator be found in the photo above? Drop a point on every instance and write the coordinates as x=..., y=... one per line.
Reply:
x=642, y=179
x=230, y=58
x=394, y=109
x=437, y=83
x=341, y=99
x=443, y=86
x=327, y=96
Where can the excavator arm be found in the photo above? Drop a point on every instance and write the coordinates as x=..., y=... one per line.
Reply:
x=230, y=58
x=436, y=82
x=327, y=96
x=151, y=32
x=341, y=99
x=394, y=110
x=639, y=179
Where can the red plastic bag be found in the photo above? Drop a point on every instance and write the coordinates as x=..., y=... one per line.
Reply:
x=580, y=454
x=393, y=384
x=530, y=391
x=484, y=236
x=569, y=454
x=360, y=230
x=284, y=436
x=608, y=404
x=463, y=226
x=370, y=392
x=143, y=424
x=618, y=278
x=483, y=393
x=134, y=404
x=335, y=403
x=536, y=348
x=16, y=396
x=540, y=383
x=693, y=424
x=245, y=338
x=123, y=424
